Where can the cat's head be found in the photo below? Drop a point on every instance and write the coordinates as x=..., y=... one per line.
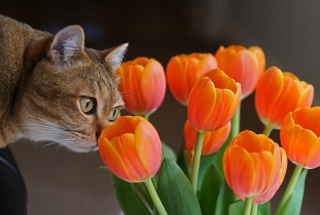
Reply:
x=70, y=94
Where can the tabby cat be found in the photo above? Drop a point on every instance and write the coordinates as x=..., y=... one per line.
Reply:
x=54, y=89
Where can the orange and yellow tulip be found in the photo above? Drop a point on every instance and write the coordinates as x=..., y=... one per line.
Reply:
x=212, y=141
x=142, y=85
x=254, y=166
x=131, y=148
x=184, y=70
x=279, y=93
x=300, y=137
x=243, y=65
x=213, y=101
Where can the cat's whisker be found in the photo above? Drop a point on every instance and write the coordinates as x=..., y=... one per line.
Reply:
x=128, y=94
x=48, y=144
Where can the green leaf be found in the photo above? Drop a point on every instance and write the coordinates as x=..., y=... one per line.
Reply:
x=265, y=208
x=168, y=152
x=175, y=191
x=181, y=161
x=236, y=208
x=225, y=198
x=210, y=188
x=205, y=162
x=128, y=200
x=294, y=203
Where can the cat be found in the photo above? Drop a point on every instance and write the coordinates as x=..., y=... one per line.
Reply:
x=54, y=89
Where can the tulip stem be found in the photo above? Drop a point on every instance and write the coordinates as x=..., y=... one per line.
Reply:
x=267, y=130
x=235, y=123
x=247, y=206
x=254, y=209
x=196, y=161
x=292, y=183
x=156, y=200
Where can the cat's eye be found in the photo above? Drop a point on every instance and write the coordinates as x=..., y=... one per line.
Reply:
x=87, y=105
x=114, y=114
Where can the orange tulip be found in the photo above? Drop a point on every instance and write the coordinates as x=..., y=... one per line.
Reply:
x=131, y=148
x=254, y=166
x=142, y=85
x=184, y=70
x=300, y=137
x=243, y=65
x=213, y=101
x=212, y=141
x=279, y=93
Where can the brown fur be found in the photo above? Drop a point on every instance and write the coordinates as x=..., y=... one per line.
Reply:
x=42, y=78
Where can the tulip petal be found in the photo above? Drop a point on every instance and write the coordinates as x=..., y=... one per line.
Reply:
x=313, y=156
x=200, y=104
x=268, y=89
x=123, y=126
x=306, y=97
x=113, y=159
x=266, y=196
x=152, y=84
x=127, y=150
x=148, y=141
x=287, y=100
x=246, y=66
x=239, y=167
x=218, y=117
x=300, y=145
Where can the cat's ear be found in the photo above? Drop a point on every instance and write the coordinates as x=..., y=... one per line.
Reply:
x=114, y=56
x=67, y=44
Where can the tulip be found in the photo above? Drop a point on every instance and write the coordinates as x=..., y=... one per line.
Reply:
x=184, y=70
x=212, y=140
x=279, y=93
x=213, y=101
x=243, y=65
x=300, y=137
x=142, y=85
x=131, y=148
x=254, y=166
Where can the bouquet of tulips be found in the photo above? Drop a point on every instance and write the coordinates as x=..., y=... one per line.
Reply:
x=219, y=169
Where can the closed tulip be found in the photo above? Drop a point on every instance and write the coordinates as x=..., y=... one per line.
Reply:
x=300, y=137
x=243, y=65
x=131, y=148
x=213, y=101
x=254, y=166
x=212, y=141
x=184, y=70
x=142, y=85
x=279, y=93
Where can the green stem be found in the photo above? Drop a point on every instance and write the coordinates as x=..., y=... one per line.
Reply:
x=156, y=200
x=267, y=131
x=247, y=206
x=196, y=161
x=254, y=209
x=235, y=128
x=146, y=116
x=292, y=183
x=235, y=123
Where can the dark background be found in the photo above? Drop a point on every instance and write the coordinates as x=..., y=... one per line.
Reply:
x=63, y=182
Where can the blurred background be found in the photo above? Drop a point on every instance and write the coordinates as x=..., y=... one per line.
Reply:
x=62, y=182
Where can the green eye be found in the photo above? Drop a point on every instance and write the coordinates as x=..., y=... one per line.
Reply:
x=86, y=104
x=114, y=114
